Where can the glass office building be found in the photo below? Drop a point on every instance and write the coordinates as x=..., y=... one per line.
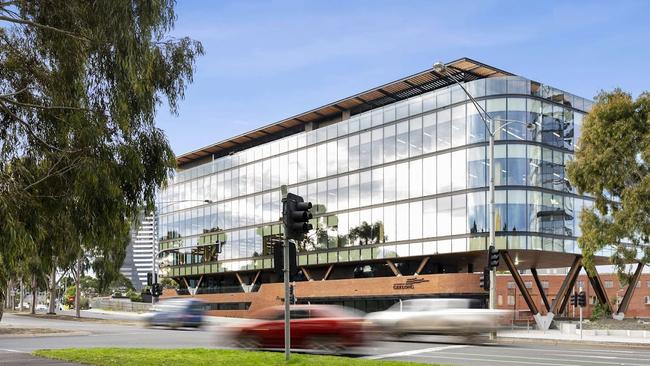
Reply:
x=401, y=178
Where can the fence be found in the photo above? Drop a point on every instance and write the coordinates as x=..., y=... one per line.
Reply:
x=120, y=305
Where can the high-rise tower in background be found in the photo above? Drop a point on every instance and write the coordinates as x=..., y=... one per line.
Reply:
x=138, y=260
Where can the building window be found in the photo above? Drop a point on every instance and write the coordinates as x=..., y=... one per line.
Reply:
x=592, y=300
x=647, y=283
x=581, y=285
x=529, y=284
x=500, y=299
x=638, y=284
x=511, y=300
x=646, y=300
x=511, y=285
x=609, y=284
x=544, y=284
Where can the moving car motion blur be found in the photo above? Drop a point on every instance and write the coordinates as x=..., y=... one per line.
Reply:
x=439, y=316
x=325, y=328
x=177, y=313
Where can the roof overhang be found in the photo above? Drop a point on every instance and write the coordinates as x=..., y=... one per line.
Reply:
x=464, y=69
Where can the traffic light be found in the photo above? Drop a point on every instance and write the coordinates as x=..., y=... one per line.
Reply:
x=574, y=299
x=278, y=259
x=296, y=217
x=292, y=295
x=493, y=257
x=485, y=279
x=156, y=290
x=149, y=278
x=582, y=299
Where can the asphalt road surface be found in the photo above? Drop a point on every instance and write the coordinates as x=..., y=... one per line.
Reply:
x=443, y=350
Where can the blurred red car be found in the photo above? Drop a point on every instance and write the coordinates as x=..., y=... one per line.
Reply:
x=326, y=328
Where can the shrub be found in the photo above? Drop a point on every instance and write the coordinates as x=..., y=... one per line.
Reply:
x=134, y=296
x=600, y=311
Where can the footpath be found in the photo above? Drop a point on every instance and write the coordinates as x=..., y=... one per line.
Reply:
x=616, y=338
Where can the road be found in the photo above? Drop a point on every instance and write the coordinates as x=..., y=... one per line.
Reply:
x=434, y=350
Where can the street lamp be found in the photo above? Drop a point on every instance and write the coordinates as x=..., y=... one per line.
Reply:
x=490, y=125
x=155, y=236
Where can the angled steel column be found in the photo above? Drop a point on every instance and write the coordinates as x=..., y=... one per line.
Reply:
x=327, y=274
x=599, y=289
x=306, y=273
x=423, y=263
x=622, y=308
x=393, y=268
x=542, y=294
x=562, y=295
x=257, y=276
x=520, y=282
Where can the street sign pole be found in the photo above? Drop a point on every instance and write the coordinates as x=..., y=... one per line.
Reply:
x=287, y=313
x=581, y=322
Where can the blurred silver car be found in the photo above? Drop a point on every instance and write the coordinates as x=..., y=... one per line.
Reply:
x=176, y=313
x=438, y=316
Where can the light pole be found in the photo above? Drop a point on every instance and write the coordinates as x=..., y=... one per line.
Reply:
x=490, y=126
x=154, y=250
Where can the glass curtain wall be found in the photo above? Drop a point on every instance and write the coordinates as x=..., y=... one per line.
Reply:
x=410, y=177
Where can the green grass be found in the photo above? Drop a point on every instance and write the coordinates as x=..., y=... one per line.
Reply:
x=201, y=356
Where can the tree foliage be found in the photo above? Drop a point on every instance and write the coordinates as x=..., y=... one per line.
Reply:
x=80, y=155
x=613, y=165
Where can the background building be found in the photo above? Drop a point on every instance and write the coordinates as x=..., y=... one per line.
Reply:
x=140, y=252
x=398, y=179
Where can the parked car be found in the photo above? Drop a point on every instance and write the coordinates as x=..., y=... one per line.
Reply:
x=439, y=316
x=177, y=313
x=321, y=327
x=41, y=307
x=25, y=306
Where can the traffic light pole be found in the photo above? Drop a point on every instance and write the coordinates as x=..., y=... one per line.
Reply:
x=493, y=274
x=287, y=303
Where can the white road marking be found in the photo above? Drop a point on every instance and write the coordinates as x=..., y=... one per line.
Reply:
x=12, y=350
x=497, y=362
x=573, y=351
x=602, y=354
x=414, y=352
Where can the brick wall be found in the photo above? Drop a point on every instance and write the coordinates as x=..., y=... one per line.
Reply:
x=637, y=307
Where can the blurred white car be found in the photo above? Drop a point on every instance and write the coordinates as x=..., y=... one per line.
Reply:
x=25, y=306
x=41, y=307
x=439, y=316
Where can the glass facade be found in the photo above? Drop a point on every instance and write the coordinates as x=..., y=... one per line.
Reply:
x=406, y=179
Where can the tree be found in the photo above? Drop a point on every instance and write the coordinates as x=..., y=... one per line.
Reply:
x=612, y=163
x=369, y=234
x=121, y=282
x=80, y=84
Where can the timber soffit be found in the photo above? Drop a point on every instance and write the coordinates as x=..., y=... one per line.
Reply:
x=465, y=69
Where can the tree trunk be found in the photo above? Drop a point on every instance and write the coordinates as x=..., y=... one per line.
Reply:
x=52, y=308
x=77, y=292
x=10, y=286
x=22, y=295
x=3, y=298
x=34, y=294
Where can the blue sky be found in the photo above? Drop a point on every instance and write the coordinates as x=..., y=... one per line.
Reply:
x=266, y=61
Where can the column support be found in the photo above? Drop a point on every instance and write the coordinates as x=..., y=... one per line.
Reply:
x=307, y=275
x=563, y=294
x=520, y=282
x=540, y=288
x=599, y=289
x=393, y=268
x=257, y=276
x=622, y=308
x=327, y=274
x=423, y=263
